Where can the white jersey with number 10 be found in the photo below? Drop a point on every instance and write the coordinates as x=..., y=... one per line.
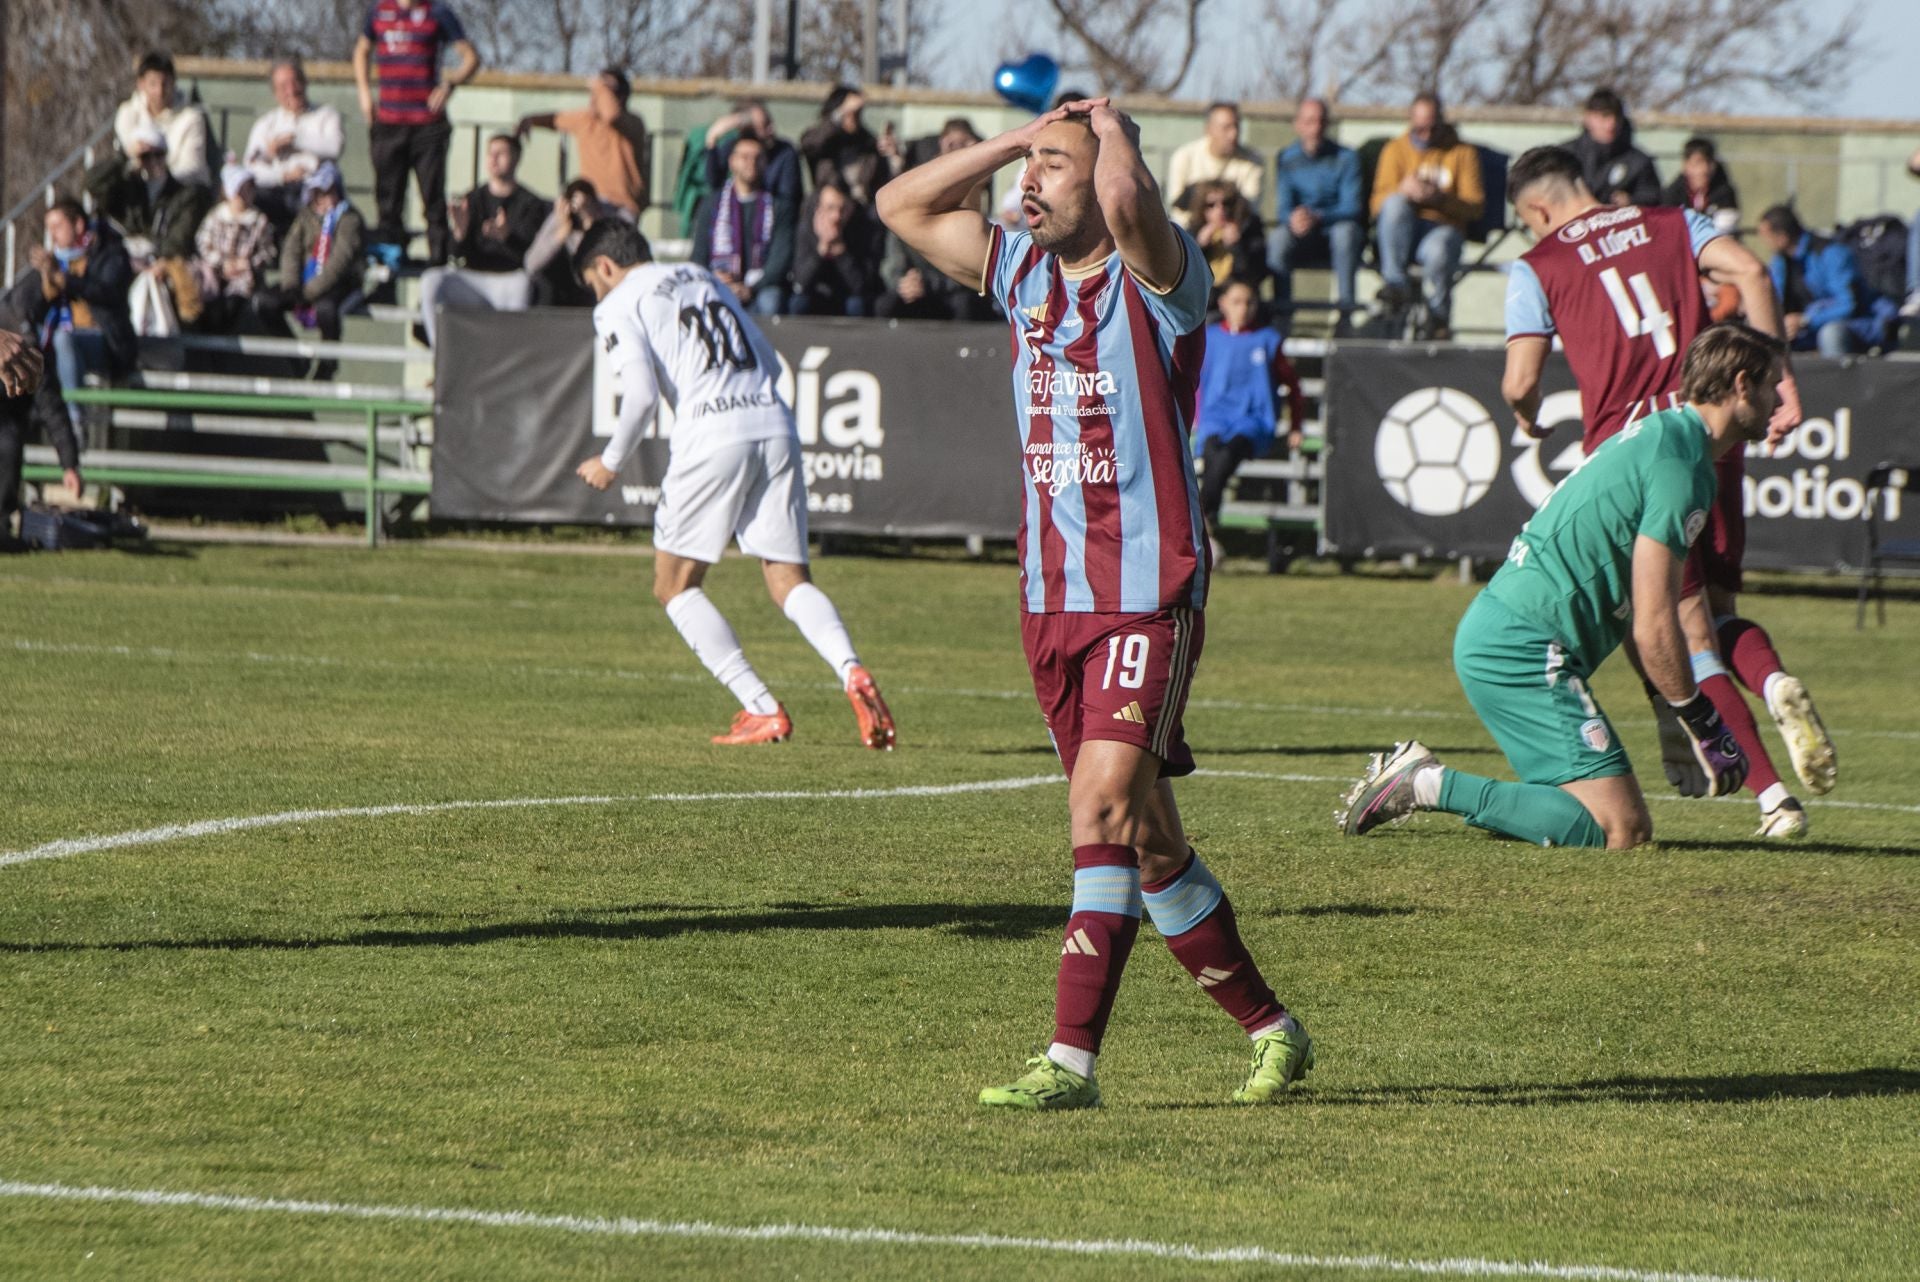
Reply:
x=707, y=361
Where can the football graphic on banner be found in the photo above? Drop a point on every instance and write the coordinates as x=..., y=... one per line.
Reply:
x=1437, y=451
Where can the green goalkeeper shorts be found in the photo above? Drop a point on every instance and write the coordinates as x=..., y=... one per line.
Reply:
x=1531, y=692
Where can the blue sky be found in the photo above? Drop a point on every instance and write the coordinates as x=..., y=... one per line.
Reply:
x=1884, y=86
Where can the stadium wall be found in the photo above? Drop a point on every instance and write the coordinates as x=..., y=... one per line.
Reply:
x=1834, y=170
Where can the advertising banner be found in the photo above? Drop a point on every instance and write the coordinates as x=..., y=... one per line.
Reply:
x=1425, y=457
x=905, y=429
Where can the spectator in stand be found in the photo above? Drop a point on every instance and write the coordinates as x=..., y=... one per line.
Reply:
x=158, y=214
x=1242, y=376
x=842, y=152
x=407, y=127
x=779, y=159
x=1228, y=233
x=1215, y=156
x=549, y=259
x=916, y=289
x=834, y=263
x=1703, y=186
x=82, y=311
x=494, y=226
x=29, y=397
x=1911, y=306
x=1825, y=303
x=1426, y=193
x=1618, y=173
x=320, y=263
x=743, y=234
x=157, y=103
x=958, y=132
x=1318, y=209
x=289, y=142
x=233, y=252
x=611, y=141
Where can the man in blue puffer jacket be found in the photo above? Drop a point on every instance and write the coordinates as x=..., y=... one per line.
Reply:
x=1825, y=303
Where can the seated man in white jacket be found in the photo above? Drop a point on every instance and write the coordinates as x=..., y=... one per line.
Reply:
x=290, y=142
x=157, y=103
x=674, y=333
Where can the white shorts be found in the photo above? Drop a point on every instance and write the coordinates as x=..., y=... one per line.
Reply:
x=755, y=491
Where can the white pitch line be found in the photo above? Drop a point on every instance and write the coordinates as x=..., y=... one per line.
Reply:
x=69, y=846
x=626, y=1227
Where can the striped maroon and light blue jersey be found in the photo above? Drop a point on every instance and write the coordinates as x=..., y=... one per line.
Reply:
x=407, y=41
x=1105, y=372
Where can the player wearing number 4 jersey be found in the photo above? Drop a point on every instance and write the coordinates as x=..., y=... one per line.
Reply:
x=1621, y=288
x=1106, y=299
x=672, y=332
x=1599, y=562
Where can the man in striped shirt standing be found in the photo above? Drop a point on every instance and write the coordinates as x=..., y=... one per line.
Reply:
x=407, y=126
x=1106, y=299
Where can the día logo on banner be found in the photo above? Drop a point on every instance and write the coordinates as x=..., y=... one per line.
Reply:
x=837, y=415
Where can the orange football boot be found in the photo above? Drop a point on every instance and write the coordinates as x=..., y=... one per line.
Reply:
x=870, y=710
x=756, y=727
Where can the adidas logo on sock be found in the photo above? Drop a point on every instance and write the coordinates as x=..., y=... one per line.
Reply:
x=1131, y=713
x=1079, y=945
x=1208, y=976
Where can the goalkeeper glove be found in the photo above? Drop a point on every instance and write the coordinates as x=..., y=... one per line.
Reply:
x=1714, y=746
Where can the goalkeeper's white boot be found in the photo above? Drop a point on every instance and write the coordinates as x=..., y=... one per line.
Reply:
x=1385, y=793
x=1676, y=751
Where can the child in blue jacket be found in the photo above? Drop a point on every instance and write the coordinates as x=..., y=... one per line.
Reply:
x=1241, y=378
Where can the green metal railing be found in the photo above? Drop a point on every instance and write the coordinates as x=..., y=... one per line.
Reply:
x=189, y=476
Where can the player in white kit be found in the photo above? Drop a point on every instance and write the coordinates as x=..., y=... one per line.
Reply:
x=673, y=333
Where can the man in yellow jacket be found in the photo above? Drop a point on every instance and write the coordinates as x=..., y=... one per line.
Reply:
x=1426, y=193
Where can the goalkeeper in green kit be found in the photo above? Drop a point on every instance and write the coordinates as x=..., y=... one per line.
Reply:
x=1599, y=564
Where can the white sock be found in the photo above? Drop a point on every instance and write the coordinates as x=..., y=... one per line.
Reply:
x=707, y=632
x=1278, y=1025
x=1426, y=787
x=1770, y=799
x=1766, y=690
x=812, y=612
x=1073, y=1059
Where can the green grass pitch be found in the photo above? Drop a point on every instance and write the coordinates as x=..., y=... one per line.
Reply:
x=1701, y=1057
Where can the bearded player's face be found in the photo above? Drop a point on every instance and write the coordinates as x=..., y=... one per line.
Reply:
x=1057, y=191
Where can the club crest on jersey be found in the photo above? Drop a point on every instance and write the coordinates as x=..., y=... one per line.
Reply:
x=1595, y=734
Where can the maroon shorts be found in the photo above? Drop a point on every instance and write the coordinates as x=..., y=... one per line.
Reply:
x=1116, y=676
x=1717, y=554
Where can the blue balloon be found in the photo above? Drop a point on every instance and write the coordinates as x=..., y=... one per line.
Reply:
x=1029, y=83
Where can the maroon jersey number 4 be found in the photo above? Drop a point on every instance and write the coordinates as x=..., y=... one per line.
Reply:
x=1621, y=287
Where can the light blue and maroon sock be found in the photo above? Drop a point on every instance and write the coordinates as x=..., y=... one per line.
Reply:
x=1192, y=914
x=1093, y=953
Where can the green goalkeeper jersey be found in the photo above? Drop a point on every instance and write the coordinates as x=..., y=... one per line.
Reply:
x=1571, y=568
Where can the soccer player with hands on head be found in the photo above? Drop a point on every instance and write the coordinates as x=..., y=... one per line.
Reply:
x=675, y=333
x=1106, y=298
x=1621, y=288
x=1599, y=563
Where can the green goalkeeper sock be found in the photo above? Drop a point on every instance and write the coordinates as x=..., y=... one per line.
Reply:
x=1535, y=812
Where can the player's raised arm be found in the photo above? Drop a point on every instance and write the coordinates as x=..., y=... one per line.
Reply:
x=1130, y=200
x=929, y=205
x=1725, y=261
